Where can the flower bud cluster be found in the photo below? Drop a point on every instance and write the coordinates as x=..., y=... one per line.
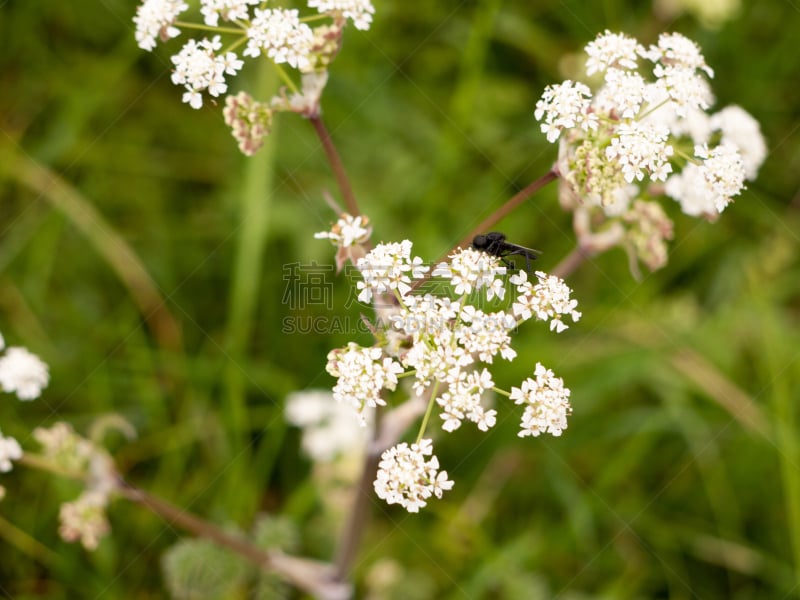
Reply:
x=84, y=518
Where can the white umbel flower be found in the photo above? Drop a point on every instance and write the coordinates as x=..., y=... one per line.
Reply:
x=565, y=106
x=486, y=335
x=470, y=269
x=740, y=129
x=23, y=373
x=546, y=402
x=612, y=51
x=463, y=401
x=389, y=267
x=549, y=300
x=358, y=11
x=9, y=450
x=706, y=189
x=227, y=10
x=281, y=36
x=348, y=231
x=407, y=477
x=362, y=373
x=639, y=149
x=623, y=94
x=676, y=50
x=199, y=68
x=155, y=20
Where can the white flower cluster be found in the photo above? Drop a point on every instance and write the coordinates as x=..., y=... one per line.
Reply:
x=358, y=11
x=471, y=269
x=444, y=343
x=549, y=300
x=277, y=33
x=22, y=372
x=408, y=478
x=228, y=10
x=638, y=125
x=9, y=450
x=199, y=68
x=386, y=268
x=362, y=373
x=155, y=19
x=281, y=36
x=347, y=231
x=708, y=187
x=546, y=402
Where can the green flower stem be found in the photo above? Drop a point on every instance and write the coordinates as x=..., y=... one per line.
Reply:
x=203, y=27
x=312, y=18
x=336, y=166
x=285, y=78
x=497, y=390
x=235, y=45
x=428, y=412
x=652, y=109
x=39, y=462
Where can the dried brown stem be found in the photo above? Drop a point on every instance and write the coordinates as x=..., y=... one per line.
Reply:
x=313, y=577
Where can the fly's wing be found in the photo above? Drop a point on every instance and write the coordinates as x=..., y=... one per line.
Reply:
x=528, y=253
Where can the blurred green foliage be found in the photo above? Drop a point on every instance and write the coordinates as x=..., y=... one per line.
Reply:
x=679, y=475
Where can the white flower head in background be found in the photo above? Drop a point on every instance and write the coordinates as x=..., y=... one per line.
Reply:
x=9, y=450
x=329, y=429
x=22, y=372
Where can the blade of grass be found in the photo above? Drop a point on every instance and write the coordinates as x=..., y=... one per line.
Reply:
x=254, y=210
x=109, y=244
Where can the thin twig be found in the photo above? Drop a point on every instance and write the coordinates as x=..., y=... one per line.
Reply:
x=313, y=577
x=387, y=431
x=353, y=531
x=571, y=262
x=336, y=166
x=506, y=208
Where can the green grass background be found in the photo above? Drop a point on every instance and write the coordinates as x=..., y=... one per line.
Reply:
x=679, y=475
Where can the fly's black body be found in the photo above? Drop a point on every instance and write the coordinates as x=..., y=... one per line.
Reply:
x=495, y=243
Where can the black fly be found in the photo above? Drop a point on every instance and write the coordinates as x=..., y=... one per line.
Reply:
x=495, y=243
